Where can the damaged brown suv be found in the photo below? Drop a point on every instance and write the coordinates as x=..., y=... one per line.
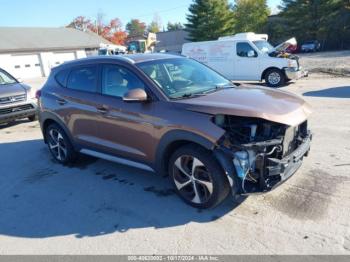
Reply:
x=178, y=118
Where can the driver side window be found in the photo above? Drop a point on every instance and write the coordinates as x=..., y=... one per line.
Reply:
x=245, y=50
x=116, y=81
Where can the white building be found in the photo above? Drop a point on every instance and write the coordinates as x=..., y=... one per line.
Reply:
x=32, y=52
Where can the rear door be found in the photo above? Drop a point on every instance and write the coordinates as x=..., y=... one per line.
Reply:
x=76, y=104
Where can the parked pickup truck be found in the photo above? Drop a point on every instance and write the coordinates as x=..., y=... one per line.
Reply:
x=248, y=57
x=17, y=100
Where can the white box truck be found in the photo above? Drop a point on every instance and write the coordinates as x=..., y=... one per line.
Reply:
x=248, y=57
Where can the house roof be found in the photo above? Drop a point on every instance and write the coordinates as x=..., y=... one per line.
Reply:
x=29, y=39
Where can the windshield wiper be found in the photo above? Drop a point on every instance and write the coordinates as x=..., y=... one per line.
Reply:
x=217, y=88
x=224, y=86
x=189, y=95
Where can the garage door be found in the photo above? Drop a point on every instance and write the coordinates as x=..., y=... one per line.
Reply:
x=26, y=66
x=60, y=58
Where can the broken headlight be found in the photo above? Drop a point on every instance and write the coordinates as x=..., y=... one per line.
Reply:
x=244, y=130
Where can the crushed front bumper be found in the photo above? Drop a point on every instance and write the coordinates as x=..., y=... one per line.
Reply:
x=271, y=172
x=293, y=73
x=280, y=170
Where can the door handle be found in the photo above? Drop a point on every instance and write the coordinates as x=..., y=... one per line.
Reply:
x=61, y=101
x=102, y=110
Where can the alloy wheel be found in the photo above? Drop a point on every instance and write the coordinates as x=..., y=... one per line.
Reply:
x=192, y=179
x=274, y=78
x=57, y=145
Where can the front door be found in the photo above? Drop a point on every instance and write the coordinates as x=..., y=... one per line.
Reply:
x=125, y=129
x=247, y=62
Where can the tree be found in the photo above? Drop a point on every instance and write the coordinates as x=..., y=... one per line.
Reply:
x=113, y=31
x=119, y=38
x=135, y=28
x=156, y=24
x=277, y=29
x=80, y=23
x=250, y=15
x=209, y=19
x=326, y=21
x=341, y=25
x=174, y=26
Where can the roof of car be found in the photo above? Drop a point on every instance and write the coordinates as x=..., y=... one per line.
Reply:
x=139, y=58
x=131, y=59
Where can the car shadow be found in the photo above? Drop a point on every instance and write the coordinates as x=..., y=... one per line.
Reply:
x=334, y=92
x=40, y=198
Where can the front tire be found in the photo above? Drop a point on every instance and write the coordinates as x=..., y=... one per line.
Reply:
x=59, y=145
x=197, y=177
x=275, y=78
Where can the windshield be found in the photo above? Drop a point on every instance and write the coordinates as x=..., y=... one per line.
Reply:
x=6, y=79
x=264, y=46
x=182, y=77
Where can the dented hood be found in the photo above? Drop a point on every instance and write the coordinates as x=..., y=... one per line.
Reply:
x=258, y=102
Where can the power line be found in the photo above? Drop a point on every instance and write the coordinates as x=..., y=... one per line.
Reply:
x=156, y=12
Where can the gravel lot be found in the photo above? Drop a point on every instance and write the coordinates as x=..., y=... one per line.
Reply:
x=337, y=63
x=98, y=207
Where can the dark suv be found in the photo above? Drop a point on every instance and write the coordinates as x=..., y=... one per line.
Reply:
x=17, y=100
x=176, y=117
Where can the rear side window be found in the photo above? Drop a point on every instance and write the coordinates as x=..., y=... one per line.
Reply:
x=245, y=50
x=83, y=79
x=61, y=77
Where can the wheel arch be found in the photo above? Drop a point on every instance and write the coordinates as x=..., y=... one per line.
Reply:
x=173, y=140
x=46, y=119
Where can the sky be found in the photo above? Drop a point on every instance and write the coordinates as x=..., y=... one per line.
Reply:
x=57, y=13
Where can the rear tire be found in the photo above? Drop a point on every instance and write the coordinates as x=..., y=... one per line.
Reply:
x=197, y=177
x=59, y=145
x=275, y=78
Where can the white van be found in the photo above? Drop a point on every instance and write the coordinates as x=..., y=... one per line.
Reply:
x=248, y=57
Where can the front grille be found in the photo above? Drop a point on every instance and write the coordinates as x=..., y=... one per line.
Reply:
x=15, y=109
x=12, y=99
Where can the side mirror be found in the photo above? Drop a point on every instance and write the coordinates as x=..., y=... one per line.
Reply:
x=251, y=53
x=135, y=95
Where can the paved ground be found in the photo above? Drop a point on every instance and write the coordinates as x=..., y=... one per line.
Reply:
x=98, y=207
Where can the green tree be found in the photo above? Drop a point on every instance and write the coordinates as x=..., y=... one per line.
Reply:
x=135, y=28
x=156, y=25
x=209, y=19
x=250, y=15
x=277, y=29
x=327, y=21
x=174, y=26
